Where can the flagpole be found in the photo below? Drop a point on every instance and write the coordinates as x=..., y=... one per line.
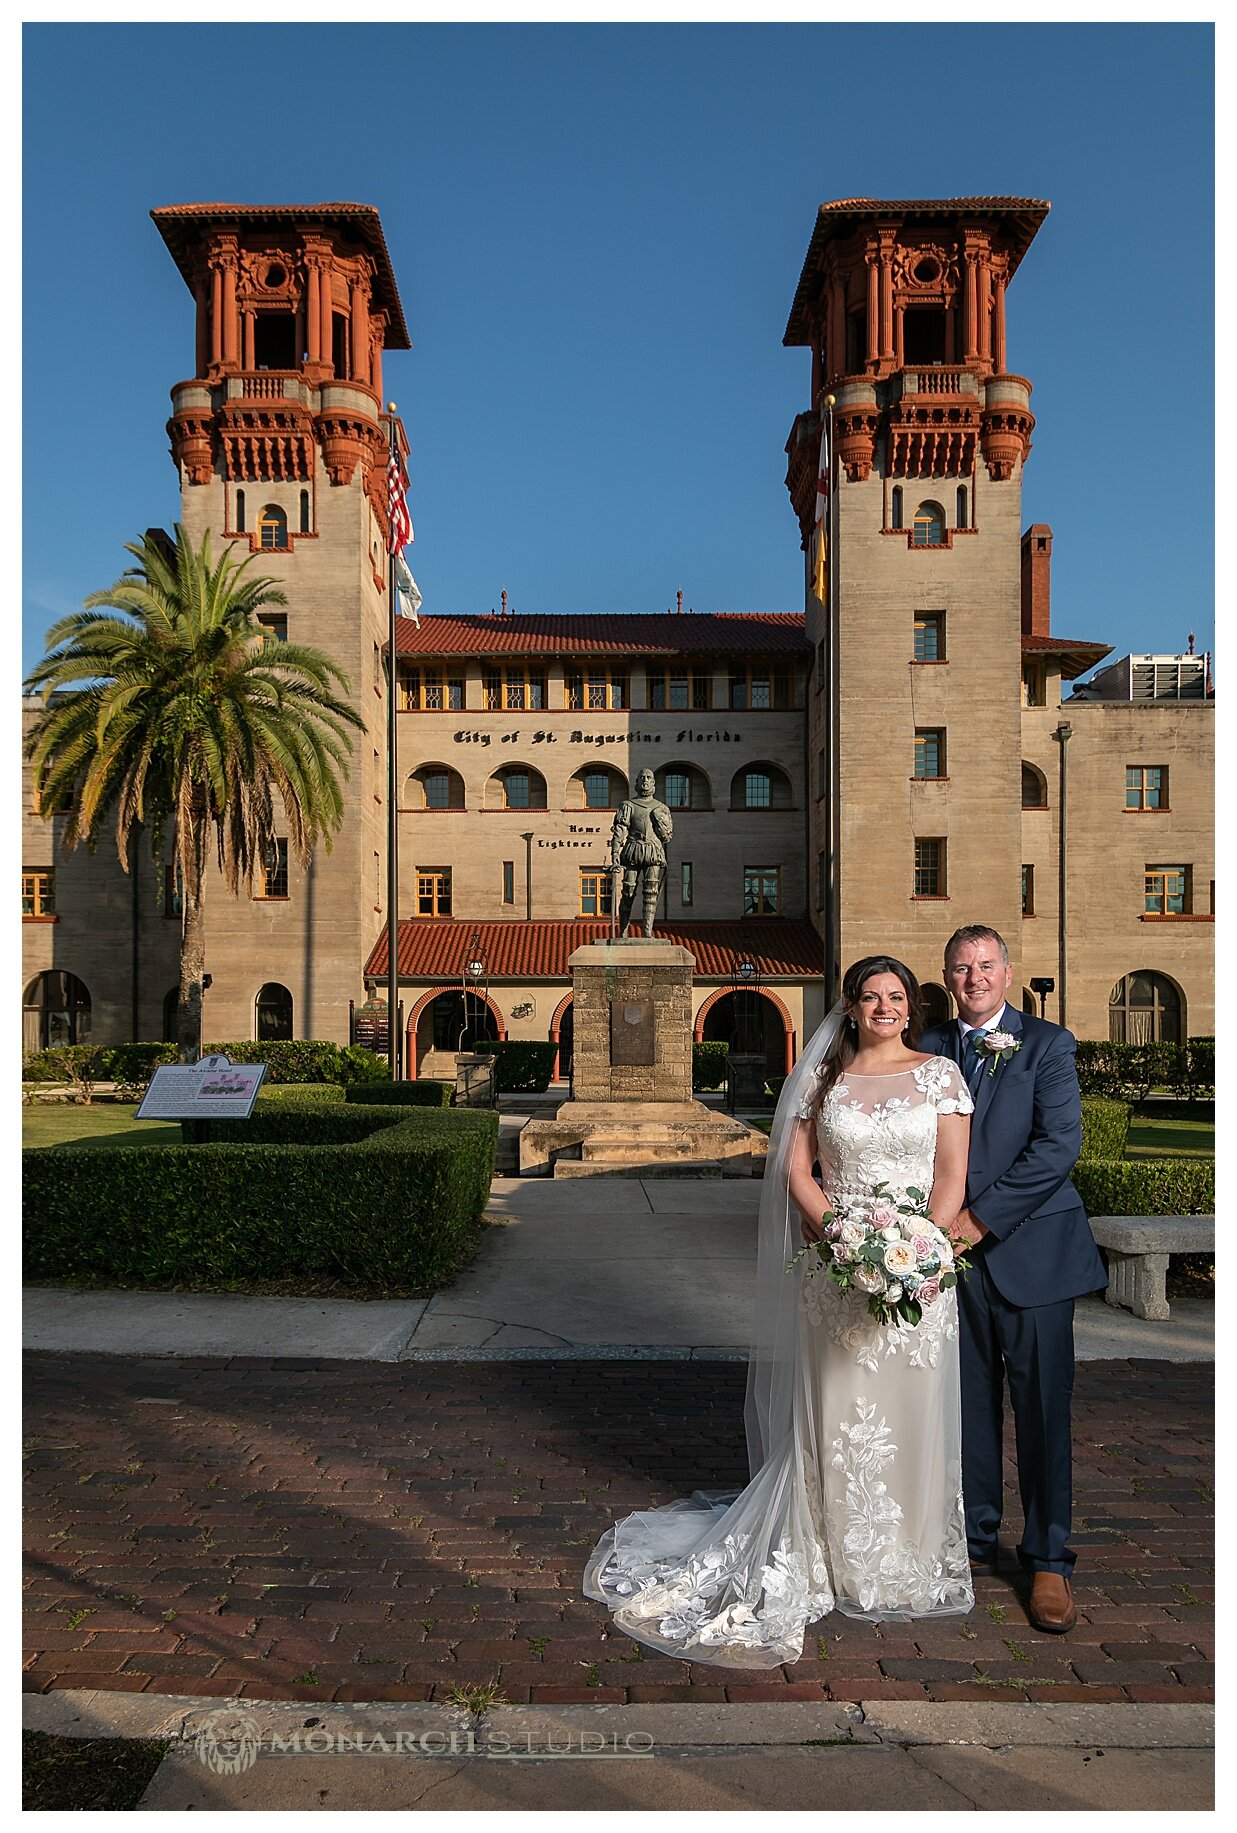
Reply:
x=393, y=1038
x=832, y=812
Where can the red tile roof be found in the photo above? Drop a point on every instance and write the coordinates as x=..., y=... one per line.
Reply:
x=630, y=634
x=1076, y=654
x=435, y=948
x=177, y=224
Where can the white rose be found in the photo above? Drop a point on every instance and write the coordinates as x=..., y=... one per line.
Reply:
x=869, y=1278
x=891, y=1234
x=852, y=1234
x=893, y=1292
x=944, y=1252
x=899, y=1258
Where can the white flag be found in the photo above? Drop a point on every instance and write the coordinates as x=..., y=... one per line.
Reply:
x=407, y=596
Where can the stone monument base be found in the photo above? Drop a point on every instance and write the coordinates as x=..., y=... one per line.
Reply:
x=640, y=1139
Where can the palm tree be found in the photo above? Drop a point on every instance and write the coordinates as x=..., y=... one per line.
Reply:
x=171, y=705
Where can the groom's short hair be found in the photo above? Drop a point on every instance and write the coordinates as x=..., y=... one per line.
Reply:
x=976, y=932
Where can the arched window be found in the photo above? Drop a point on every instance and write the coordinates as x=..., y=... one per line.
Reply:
x=274, y=1013
x=929, y=526
x=435, y=786
x=304, y=512
x=1145, y=1008
x=760, y=786
x=273, y=527
x=518, y=786
x=895, y=511
x=684, y=786
x=962, y=521
x=240, y=512
x=55, y=1011
x=1034, y=787
x=597, y=786
x=936, y=1008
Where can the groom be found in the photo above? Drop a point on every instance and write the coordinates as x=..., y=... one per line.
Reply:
x=1032, y=1255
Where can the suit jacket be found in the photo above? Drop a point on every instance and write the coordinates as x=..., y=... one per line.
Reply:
x=1025, y=1137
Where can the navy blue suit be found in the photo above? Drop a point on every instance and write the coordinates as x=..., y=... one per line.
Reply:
x=1017, y=1306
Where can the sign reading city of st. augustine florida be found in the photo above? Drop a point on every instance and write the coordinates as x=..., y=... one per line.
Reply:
x=213, y=1089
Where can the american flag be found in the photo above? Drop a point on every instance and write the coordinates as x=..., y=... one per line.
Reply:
x=397, y=506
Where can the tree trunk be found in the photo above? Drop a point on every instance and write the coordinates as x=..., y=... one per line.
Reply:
x=192, y=949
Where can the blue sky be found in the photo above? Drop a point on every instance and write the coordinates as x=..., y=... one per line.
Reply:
x=597, y=233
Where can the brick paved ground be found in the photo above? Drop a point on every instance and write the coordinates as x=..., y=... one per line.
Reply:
x=349, y=1531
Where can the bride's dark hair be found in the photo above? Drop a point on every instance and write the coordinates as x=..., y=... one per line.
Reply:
x=834, y=1064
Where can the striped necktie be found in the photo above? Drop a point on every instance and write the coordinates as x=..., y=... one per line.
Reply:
x=972, y=1061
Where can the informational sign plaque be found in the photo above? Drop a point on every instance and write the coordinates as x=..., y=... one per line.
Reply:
x=631, y=1033
x=213, y=1089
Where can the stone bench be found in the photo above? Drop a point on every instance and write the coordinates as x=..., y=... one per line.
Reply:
x=1138, y=1248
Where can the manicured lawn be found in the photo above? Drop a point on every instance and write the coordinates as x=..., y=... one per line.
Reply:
x=103, y=1123
x=1154, y=1137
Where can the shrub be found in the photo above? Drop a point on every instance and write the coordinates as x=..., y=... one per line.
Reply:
x=296, y=1059
x=522, y=1065
x=396, y=1204
x=80, y=1065
x=299, y=1094
x=42, y=1066
x=423, y=1093
x=1196, y=1074
x=1127, y=1072
x=363, y=1066
x=131, y=1066
x=709, y=1065
x=1105, y=1127
x=1146, y=1187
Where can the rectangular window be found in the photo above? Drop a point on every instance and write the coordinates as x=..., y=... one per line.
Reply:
x=508, y=881
x=929, y=636
x=929, y=751
x=597, y=789
x=679, y=690
x=433, y=891
x=762, y=890
x=685, y=882
x=274, y=626
x=516, y=789
x=275, y=873
x=930, y=868
x=678, y=789
x=1028, y=890
x=1146, y=786
x=595, y=690
x=758, y=789
x=760, y=687
x=1166, y=891
x=38, y=893
x=596, y=893
x=173, y=891
x=437, y=788
x=1034, y=689
x=492, y=691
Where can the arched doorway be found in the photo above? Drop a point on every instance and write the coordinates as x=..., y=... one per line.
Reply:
x=562, y=1033
x=55, y=1011
x=751, y=1023
x=1146, y=1008
x=273, y=1021
x=937, y=1009
x=443, y=1024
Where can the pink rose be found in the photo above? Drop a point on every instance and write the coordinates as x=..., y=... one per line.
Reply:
x=929, y=1292
x=883, y=1214
x=833, y=1229
x=924, y=1249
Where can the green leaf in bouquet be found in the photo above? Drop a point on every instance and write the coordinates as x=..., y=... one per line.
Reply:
x=913, y=1312
x=949, y=1279
x=916, y=1196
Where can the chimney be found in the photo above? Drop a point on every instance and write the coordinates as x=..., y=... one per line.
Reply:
x=680, y=597
x=1036, y=580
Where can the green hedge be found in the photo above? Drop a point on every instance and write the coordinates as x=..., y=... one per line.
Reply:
x=1146, y=1187
x=306, y=1060
x=423, y=1093
x=302, y=1094
x=709, y=1065
x=398, y=1203
x=1105, y=1127
x=1130, y=1071
x=522, y=1065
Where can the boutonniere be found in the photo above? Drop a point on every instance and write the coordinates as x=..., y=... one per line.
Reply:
x=998, y=1047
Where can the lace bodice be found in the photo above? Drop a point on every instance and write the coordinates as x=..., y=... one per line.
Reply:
x=882, y=1129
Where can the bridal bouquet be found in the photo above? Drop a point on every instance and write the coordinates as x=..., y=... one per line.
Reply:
x=887, y=1246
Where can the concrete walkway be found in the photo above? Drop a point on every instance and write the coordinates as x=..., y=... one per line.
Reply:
x=866, y=1755
x=580, y=1268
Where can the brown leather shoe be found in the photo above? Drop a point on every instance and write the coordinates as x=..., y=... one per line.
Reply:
x=1052, y=1607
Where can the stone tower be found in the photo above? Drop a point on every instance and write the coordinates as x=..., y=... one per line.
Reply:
x=914, y=721
x=281, y=443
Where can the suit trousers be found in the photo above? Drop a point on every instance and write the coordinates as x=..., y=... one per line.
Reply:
x=1031, y=1347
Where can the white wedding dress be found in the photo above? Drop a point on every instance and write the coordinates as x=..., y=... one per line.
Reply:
x=857, y=1507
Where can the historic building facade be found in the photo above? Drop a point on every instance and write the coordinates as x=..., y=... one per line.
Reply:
x=863, y=776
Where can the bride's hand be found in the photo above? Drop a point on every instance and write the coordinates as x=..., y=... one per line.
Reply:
x=812, y=1231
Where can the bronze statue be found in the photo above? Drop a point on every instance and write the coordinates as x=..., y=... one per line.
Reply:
x=642, y=827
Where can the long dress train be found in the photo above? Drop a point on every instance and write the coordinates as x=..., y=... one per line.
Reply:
x=858, y=1505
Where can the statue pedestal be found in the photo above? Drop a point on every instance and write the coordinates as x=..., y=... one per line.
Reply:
x=632, y=1112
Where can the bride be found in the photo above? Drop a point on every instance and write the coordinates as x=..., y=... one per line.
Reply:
x=853, y=1426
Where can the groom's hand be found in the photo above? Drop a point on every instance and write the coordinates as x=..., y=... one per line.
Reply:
x=968, y=1228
